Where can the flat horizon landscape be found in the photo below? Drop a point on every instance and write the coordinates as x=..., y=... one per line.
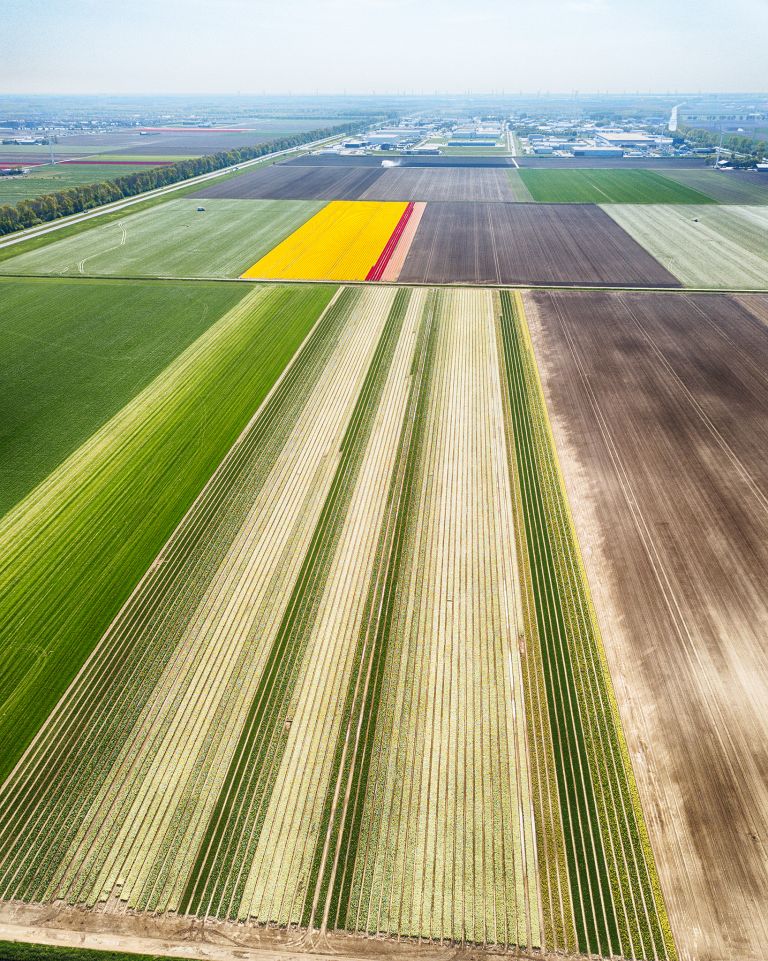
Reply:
x=383, y=524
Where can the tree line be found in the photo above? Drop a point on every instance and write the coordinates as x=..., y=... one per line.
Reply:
x=750, y=147
x=74, y=200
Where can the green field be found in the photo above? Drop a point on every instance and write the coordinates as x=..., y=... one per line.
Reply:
x=48, y=180
x=72, y=355
x=173, y=239
x=714, y=246
x=587, y=186
x=20, y=951
x=73, y=550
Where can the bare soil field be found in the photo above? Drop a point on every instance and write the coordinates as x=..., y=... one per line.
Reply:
x=434, y=183
x=725, y=186
x=658, y=405
x=283, y=182
x=527, y=244
x=400, y=160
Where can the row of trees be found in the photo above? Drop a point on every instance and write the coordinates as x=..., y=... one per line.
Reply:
x=749, y=147
x=30, y=213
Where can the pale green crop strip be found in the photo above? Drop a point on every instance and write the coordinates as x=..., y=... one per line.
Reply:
x=121, y=669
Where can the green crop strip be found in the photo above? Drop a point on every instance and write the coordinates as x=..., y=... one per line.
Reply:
x=588, y=186
x=20, y=951
x=123, y=676
x=72, y=356
x=237, y=819
x=74, y=549
x=614, y=889
x=339, y=832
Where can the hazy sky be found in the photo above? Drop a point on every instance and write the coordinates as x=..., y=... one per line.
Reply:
x=360, y=46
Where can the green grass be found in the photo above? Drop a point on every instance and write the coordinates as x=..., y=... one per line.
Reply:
x=72, y=355
x=19, y=951
x=93, y=223
x=173, y=240
x=48, y=180
x=587, y=186
x=71, y=553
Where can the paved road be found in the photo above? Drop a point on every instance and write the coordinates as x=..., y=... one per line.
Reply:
x=31, y=232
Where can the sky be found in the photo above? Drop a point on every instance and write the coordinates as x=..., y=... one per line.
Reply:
x=382, y=46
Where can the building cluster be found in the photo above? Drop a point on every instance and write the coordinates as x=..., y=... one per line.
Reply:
x=599, y=142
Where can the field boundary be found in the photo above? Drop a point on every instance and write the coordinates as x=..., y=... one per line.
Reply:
x=100, y=278
x=210, y=940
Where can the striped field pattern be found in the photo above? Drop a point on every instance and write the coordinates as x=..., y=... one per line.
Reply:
x=361, y=688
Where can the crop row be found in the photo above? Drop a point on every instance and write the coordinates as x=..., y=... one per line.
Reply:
x=73, y=549
x=613, y=890
x=427, y=828
x=59, y=812
x=237, y=821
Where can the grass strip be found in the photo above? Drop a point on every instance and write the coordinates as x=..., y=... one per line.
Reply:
x=588, y=186
x=237, y=820
x=332, y=872
x=22, y=951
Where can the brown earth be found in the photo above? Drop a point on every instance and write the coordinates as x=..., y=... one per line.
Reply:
x=283, y=182
x=182, y=937
x=659, y=405
x=527, y=244
x=432, y=183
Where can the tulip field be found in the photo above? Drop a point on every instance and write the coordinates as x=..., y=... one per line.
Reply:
x=361, y=686
x=382, y=565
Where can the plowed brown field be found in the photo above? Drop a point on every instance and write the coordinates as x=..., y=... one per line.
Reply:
x=527, y=244
x=658, y=405
x=296, y=183
x=432, y=183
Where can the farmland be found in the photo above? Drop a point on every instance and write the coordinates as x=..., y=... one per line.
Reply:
x=283, y=667
x=725, y=186
x=52, y=394
x=651, y=393
x=173, y=239
x=431, y=183
x=344, y=241
x=47, y=179
x=75, y=547
x=562, y=186
x=526, y=244
x=285, y=182
x=382, y=559
x=714, y=246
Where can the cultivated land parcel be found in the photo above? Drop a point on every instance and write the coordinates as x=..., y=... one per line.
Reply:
x=421, y=611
